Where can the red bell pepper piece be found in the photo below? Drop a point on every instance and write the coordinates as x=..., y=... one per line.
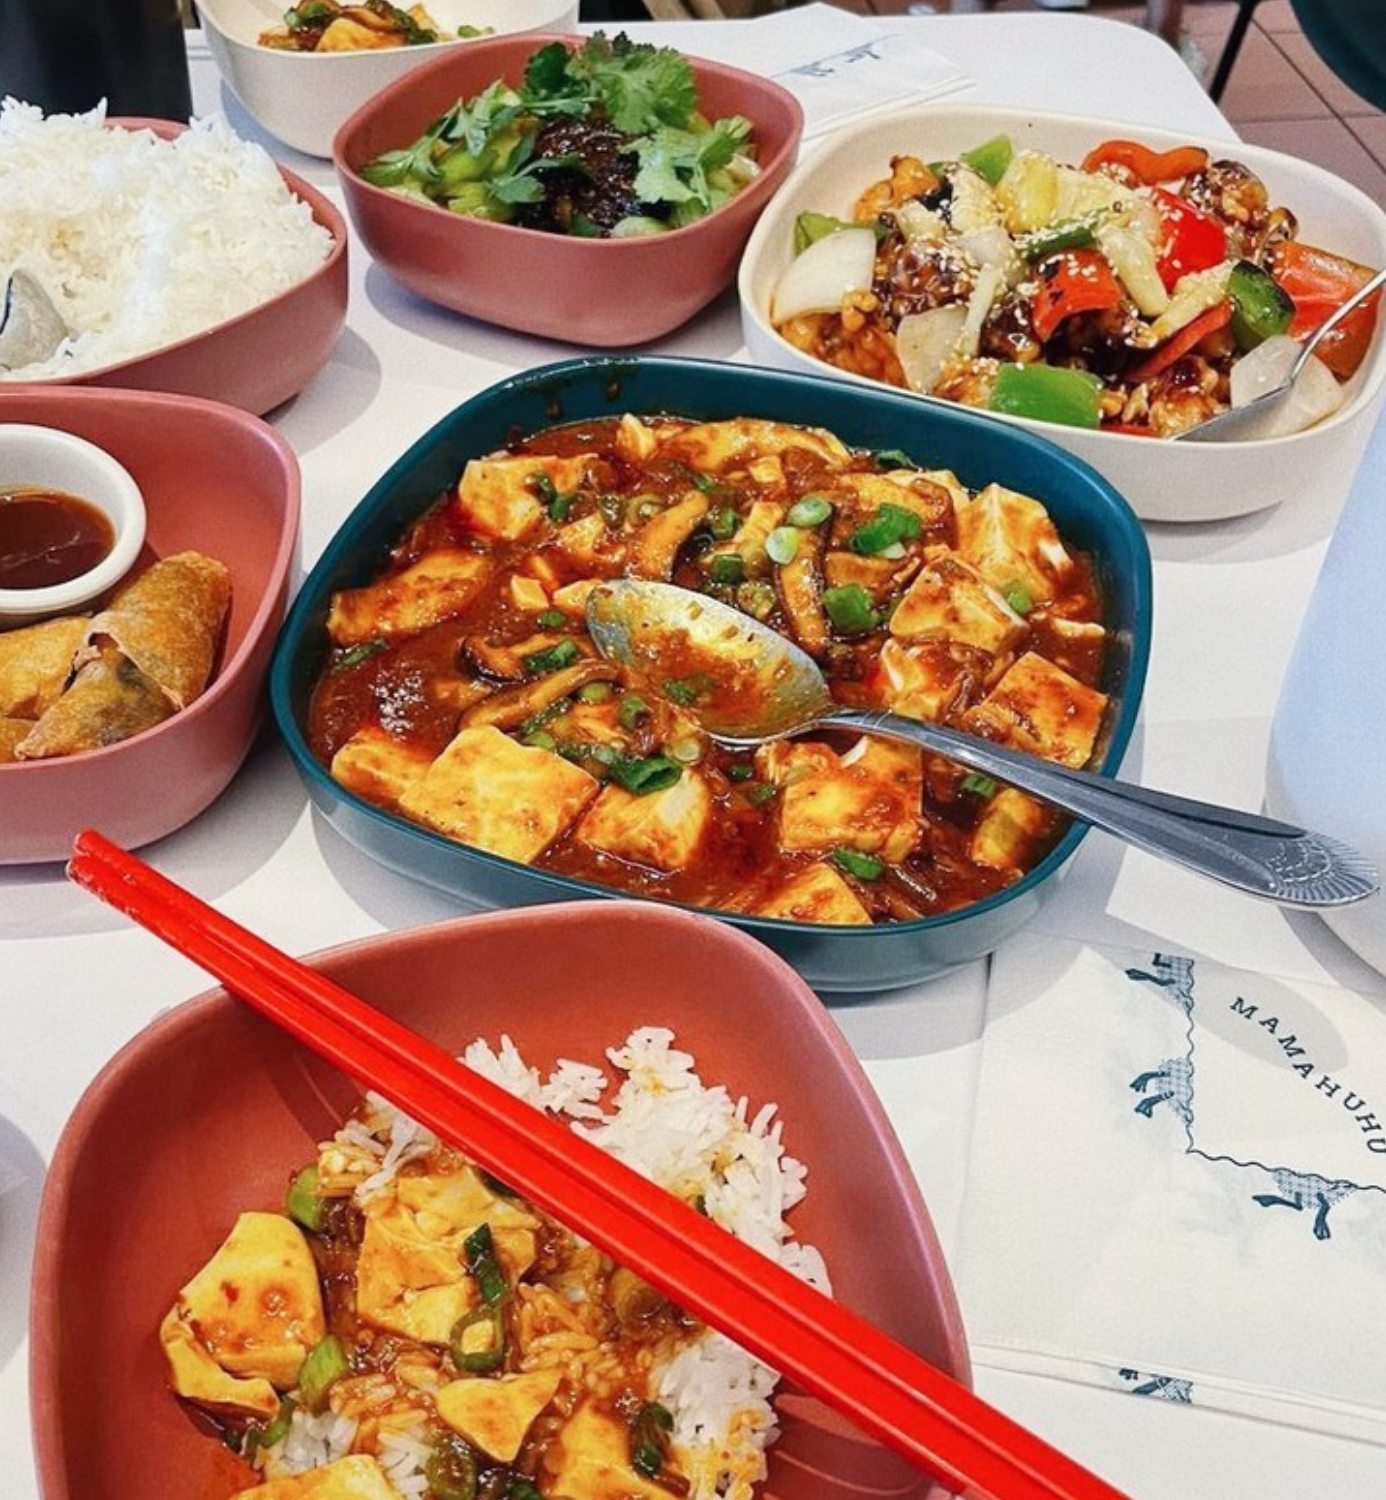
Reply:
x=1145, y=165
x=1318, y=283
x=1192, y=240
x=1072, y=281
x=1179, y=344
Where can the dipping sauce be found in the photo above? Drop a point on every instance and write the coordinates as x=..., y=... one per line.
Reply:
x=49, y=537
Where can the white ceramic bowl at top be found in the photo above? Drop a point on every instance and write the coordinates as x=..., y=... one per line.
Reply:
x=302, y=97
x=45, y=458
x=1162, y=480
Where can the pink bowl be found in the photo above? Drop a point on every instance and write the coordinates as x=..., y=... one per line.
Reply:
x=262, y=357
x=207, y=1111
x=603, y=293
x=215, y=480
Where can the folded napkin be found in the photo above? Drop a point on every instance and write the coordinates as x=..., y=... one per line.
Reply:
x=1177, y=1184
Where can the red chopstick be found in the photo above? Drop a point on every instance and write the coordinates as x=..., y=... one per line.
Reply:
x=884, y=1388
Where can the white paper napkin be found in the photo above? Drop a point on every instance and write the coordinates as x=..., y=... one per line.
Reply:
x=1177, y=1185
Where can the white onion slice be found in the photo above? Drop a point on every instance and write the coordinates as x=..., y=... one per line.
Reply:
x=990, y=281
x=821, y=276
x=1316, y=393
x=991, y=246
x=924, y=343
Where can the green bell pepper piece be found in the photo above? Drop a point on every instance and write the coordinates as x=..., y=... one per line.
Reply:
x=811, y=227
x=1072, y=234
x=991, y=158
x=1048, y=393
x=1261, y=307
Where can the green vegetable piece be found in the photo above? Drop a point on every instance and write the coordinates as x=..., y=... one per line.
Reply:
x=274, y=1431
x=742, y=771
x=551, y=619
x=481, y=1355
x=460, y=165
x=563, y=654
x=726, y=567
x=854, y=862
x=649, y=1438
x=479, y=1257
x=560, y=506
x=1072, y=234
x=891, y=526
x=451, y=1470
x=542, y=488
x=723, y=522
x=324, y=1365
x=302, y=1203
x=850, y=609
x=1261, y=308
x=893, y=458
x=759, y=793
x=539, y=739
x=991, y=158
x=1018, y=597
x=687, y=690
x=1048, y=393
x=595, y=692
x=812, y=510
x=810, y=227
x=782, y=545
x=656, y=773
x=631, y=709
x=756, y=598
x=357, y=654
x=522, y=1489
x=979, y=785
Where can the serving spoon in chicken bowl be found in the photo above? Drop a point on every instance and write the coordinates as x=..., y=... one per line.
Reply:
x=762, y=687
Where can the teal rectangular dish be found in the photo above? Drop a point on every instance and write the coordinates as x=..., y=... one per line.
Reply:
x=1089, y=513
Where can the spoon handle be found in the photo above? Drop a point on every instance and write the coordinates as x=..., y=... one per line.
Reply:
x=1258, y=855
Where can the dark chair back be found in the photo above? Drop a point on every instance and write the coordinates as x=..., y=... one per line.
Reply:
x=1350, y=36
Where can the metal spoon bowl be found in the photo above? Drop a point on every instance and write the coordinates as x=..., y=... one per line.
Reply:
x=761, y=687
x=1248, y=421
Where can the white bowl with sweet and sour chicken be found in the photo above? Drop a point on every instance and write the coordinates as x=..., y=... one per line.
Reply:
x=1105, y=285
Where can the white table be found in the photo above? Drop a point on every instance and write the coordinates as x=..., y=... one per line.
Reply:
x=77, y=982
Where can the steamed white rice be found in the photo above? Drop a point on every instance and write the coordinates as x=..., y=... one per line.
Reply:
x=140, y=242
x=665, y=1123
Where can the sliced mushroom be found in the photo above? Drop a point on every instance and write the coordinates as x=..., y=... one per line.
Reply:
x=513, y=705
x=800, y=583
x=655, y=546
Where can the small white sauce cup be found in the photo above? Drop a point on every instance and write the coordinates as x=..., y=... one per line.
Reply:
x=47, y=458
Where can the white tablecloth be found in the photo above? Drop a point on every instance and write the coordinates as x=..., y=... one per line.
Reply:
x=76, y=981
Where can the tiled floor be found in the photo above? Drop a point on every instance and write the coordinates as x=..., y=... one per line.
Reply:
x=1280, y=93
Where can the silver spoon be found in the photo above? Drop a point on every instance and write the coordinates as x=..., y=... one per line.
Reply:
x=762, y=687
x=1244, y=421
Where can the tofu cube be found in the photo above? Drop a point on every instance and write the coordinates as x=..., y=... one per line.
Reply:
x=440, y=585
x=817, y=893
x=488, y=791
x=868, y=798
x=662, y=831
x=949, y=598
x=356, y=1477
x=589, y=1459
x=527, y=593
x=377, y=766
x=720, y=447
x=1009, y=539
x=1010, y=831
x=924, y=680
x=905, y=488
x=495, y=1414
x=1038, y=707
x=497, y=497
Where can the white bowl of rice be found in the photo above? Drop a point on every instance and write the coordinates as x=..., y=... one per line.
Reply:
x=681, y=1046
x=158, y=256
x=303, y=97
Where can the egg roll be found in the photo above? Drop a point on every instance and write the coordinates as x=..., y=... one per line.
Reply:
x=11, y=732
x=110, y=699
x=35, y=663
x=167, y=622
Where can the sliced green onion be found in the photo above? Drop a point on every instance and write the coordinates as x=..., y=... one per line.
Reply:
x=522, y=1489
x=357, y=654
x=324, y=1365
x=641, y=777
x=543, y=488
x=539, y=739
x=1018, y=597
x=782, y=544
x=727, y=567
x=757, y=598
x=631, y=709
x=687, y=752
x=496, y=1186
x=893, y=458
x=302, y=1203
x=489, y=1354
x=850, y=609
x=759, y=793
x=537, y=663
x=701, y=481
x=723, y=522
x=551, y=619
x=649, y=1438
x=274, y=1431
x=979, y=785
x=812, y=510
x=479, y=1257
x=742, y=771
x=560, y=506
x=854, y=862
x=687, y=690
x=595, y=692
x=890, y=524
